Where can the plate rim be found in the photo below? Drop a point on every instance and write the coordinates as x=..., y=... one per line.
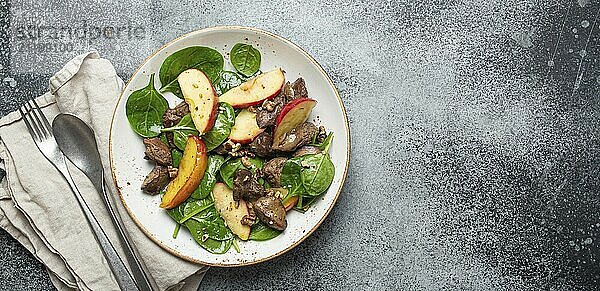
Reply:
x=308, y=233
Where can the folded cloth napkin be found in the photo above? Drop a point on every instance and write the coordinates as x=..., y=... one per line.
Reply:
x=39, y=210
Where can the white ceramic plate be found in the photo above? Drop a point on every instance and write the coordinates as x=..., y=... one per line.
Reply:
x=129, y=167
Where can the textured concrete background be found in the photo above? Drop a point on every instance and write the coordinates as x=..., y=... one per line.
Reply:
x=474, y=129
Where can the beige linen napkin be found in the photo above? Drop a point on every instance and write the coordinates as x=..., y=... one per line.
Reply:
x=39, y=210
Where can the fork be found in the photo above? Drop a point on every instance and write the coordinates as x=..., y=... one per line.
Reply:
x=41, y=132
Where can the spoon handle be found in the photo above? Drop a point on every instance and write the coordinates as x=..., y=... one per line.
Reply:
x=122, y=275
x=137, y=267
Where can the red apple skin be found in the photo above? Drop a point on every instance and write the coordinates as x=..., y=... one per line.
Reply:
x=282, y=127
x=287, y=107
x=236, y=105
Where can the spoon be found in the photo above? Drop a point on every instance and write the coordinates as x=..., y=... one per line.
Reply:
x=77, y=141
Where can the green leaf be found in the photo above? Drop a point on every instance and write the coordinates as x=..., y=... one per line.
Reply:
x=203, y=58
x=205, y=225
x=317, y=173
x=227, y=80
x=182, y=130
x=261, y=232
x=324, y=146
x=235, y=245
x=211, y=224
x=191, y=207
x=290, y=176
x=215, y=246
x=176, y=155
x=220, y=131
x=176, y=230
x=163, y=138
x=245, y=59
x=145, y=109
x=177, y=212
x=307, y=201
x=210, y=177
x=228, y=169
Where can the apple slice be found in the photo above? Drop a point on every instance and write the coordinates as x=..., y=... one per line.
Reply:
x=292, y=114
x=231, y=211
x=191, y=171
x=245, y=128
x=256, y=90
x=200, y=96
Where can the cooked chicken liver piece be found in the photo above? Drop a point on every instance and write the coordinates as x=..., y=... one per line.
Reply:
x=270, y=210
x=158, y=151
x=306, y=150
x=299, y=88
x=272, y=171
x=172, y=117
x=156, y=180
x=261, y=145
x=297, y=137
x=246, y=186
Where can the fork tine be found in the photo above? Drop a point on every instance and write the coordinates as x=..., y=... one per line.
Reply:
x=32, y=122
x=37, y=121
x=32, y=132
x=44, y=119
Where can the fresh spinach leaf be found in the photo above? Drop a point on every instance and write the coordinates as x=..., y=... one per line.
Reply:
x=318, y=170
x=305, y=201
x=145, y=109
x=182, y=130
x=176, y=155
x=235, y=245
x=261, y=232
x=227, y=80
x=210, y=177
x=290, y=176
x=214, y=246
x=206, y=227
x=206, y=59
x=177, y=212
x=228, y=169
x=220, y=131
x=325, y=144
x=211, y=225
x=192, y=207
x=317, y=173
x=176, y=230
x=245, y=59
x=163, y=138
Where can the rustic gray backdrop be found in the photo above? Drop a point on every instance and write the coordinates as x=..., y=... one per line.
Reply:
x=474, y=125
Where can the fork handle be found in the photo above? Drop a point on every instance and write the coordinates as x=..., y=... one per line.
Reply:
x=137, y=267
x=122, y=275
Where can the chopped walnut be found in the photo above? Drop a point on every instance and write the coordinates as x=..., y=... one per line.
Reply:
x=248, y=219
x=321, y=135
x=246, y=162
x=268, y=106
x=172, y=172
x=242, y=153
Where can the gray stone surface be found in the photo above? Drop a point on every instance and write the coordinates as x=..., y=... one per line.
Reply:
x=474, y=128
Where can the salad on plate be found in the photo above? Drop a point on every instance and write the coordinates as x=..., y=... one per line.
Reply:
x=237, y=153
